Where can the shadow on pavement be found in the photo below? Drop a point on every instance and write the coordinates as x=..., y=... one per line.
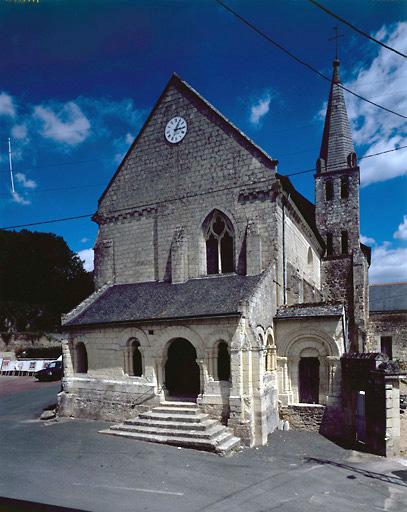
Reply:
x=10, y=505
x=369, y=474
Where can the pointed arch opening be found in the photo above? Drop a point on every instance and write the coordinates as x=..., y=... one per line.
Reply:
x=219, y=237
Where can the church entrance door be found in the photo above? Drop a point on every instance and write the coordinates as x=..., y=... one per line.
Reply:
x=309, y=380
x=182, y=374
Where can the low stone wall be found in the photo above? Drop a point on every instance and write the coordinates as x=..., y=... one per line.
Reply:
x=306, y=417
x=111, y=401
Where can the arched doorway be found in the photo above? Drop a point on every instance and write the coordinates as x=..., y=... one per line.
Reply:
x=81, y=358
x=182, y=374
x=309, y=380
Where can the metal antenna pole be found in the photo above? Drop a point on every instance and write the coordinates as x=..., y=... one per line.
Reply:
x=11, y=165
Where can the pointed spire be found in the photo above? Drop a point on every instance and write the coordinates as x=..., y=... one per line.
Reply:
x=337, y=151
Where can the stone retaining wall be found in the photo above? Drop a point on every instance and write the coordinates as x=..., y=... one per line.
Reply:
x=303, y=417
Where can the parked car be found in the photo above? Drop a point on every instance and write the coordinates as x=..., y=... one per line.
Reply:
x=54, y=371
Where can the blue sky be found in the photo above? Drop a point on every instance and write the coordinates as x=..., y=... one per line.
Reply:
x=79, y=78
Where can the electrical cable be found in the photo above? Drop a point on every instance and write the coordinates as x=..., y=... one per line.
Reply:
x=301, y=61
x=168, y=200
x=356, y=29
x=295, y=173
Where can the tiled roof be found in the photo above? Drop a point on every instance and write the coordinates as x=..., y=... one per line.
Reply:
x=319, y=309
x=337, y=138
x=388, y=297
x=211, y=296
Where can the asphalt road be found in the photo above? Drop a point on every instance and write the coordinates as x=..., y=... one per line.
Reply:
x=68, y=464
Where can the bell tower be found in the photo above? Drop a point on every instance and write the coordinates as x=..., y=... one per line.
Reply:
x=345, y=264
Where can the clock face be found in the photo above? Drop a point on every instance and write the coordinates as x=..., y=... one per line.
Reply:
x=176, y=129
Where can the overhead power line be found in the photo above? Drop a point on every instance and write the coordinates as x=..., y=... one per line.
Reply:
x=295, y=173
x=301, y=61
x=356, y=29
x=198, y=194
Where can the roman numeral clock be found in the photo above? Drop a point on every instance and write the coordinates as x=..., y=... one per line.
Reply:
x=176, y=129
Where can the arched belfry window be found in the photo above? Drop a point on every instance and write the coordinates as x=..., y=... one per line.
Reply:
x=219, y=237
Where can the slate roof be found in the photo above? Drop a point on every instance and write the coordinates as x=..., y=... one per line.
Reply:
x=212, y=296
x=337, y=138
x=388, y=297
x=319, y=309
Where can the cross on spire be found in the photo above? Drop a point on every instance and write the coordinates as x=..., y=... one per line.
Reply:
x=336, y=38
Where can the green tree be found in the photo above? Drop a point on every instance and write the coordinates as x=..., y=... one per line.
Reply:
x=40, y=278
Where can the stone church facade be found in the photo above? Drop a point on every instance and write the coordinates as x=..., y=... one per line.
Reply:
x=216, y=281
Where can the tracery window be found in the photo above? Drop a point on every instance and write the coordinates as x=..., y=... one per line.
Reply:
x=219, y=237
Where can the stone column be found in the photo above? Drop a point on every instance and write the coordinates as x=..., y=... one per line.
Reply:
x=160, y=372
x=67, y=359
x=149, y=371
x=204, y=377
x=333, y=379
x=293, y=377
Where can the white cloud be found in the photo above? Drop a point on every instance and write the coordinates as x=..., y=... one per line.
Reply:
x=259, y=108
x=86, y=255
x=19, y=199
x=24, y=181
x=401, y=233
x=19, y=131
x=129, y=138
x=7, y=107
x=388, y=264
x=84, y=240
x=64, y=123
x=374, y=129
x=367, y=240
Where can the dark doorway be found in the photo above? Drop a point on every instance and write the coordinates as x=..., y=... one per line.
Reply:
x=309, y=380
x=81, y=358
x=137, y=364
x=182, y=375
x=223, y=361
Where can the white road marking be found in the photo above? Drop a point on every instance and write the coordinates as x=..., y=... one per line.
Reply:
x=136, y=489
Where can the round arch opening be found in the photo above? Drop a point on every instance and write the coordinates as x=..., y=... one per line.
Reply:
x=182, y=373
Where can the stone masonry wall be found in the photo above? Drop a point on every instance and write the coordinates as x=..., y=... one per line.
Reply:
x=301, y=417
x=389, y=324
x=162, y=187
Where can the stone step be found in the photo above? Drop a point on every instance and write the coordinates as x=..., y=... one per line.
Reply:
x=169, y=409
x=191, y=442
x=162, y=416
x=223, y=447
x=169, y=432
x=176, y=425
x=228, y=445
x=185, y=405
x=179, y=424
